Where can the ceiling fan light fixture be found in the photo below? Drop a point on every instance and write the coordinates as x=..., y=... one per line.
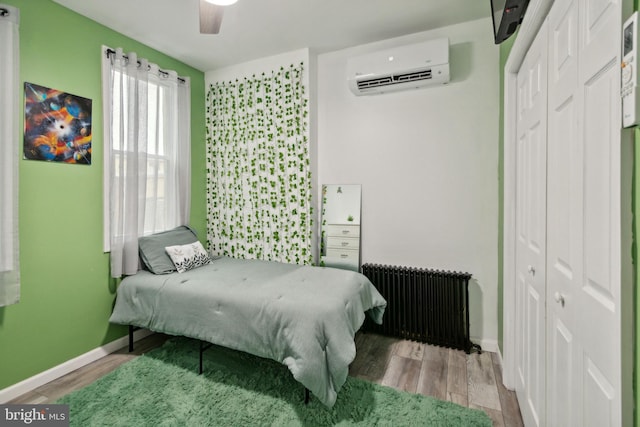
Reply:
x=221, y=2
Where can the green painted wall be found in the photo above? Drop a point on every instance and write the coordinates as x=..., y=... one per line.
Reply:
x=636, y=231
x=67, y=295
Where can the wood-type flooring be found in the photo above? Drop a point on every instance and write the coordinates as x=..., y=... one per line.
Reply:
x=473, y=380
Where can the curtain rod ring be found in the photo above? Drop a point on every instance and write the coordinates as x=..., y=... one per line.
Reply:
x=162, y=73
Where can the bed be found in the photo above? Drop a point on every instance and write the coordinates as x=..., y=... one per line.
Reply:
x=304, y=317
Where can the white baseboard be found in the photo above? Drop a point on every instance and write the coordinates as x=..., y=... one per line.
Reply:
x=487, y=345
x=499, y=354
x=64, y=368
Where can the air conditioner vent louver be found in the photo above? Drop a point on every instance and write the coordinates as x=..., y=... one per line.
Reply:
x=400, y=68
x=390, y=80
x=420, y=75
x=364, y=84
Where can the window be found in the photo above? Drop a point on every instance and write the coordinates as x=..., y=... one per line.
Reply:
x=147, y=154
x=159, y=164
x=9, y=135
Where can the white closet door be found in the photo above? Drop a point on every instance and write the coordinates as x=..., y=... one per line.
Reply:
x=565, y=219
x=568, y=219
x=597, y=297
x=531, y=231
x=583, y=215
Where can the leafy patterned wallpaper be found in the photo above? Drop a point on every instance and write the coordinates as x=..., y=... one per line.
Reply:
x=258, y=168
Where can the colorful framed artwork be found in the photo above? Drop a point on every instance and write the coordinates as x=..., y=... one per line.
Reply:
x=57, y=125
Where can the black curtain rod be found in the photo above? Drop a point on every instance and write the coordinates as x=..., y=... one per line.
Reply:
x=111, y=51
x=4, y=12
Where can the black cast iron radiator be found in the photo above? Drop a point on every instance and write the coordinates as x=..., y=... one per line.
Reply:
x=423, y=305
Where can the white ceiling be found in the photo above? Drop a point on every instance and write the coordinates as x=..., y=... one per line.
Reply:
x=253, y=29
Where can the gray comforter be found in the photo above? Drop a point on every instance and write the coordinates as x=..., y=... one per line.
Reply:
x=304, y=317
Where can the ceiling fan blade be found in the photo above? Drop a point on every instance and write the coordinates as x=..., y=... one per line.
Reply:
x=210, y=17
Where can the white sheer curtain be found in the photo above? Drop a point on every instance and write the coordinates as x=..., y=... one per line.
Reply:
x=147, y=154
x=9, y=142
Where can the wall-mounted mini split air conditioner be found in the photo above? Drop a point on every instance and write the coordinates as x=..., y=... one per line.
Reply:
x=401, y=68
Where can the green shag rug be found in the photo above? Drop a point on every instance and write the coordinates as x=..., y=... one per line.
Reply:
x=163, y=388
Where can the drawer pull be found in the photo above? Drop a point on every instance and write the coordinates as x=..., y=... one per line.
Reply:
x=344, y=256
x=345, y=243
x=345, y=231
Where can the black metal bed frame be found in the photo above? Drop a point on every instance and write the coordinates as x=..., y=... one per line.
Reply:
x=203, y=347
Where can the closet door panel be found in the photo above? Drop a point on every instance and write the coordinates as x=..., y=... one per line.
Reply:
x=597, y=182
x=531, y=155
x=598, y=297
x=521, y=344
x=564, y=217
x=599, y=395
x=563, y=401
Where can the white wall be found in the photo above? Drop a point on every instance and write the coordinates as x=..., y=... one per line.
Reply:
x=427, y=160
x=263, y=65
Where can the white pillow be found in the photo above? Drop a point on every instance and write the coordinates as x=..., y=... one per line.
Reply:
x=187, y=257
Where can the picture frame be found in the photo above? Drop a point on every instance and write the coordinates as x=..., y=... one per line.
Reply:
x=57, y=126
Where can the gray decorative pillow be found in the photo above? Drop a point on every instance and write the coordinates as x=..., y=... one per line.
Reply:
x=153, y=254
x=187, y=257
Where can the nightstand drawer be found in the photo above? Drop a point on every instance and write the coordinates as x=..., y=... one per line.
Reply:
x=344, y=230
x=343, y=254
x=343, y=242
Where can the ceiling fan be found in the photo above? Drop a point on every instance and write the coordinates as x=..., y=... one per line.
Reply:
x=211, y=12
